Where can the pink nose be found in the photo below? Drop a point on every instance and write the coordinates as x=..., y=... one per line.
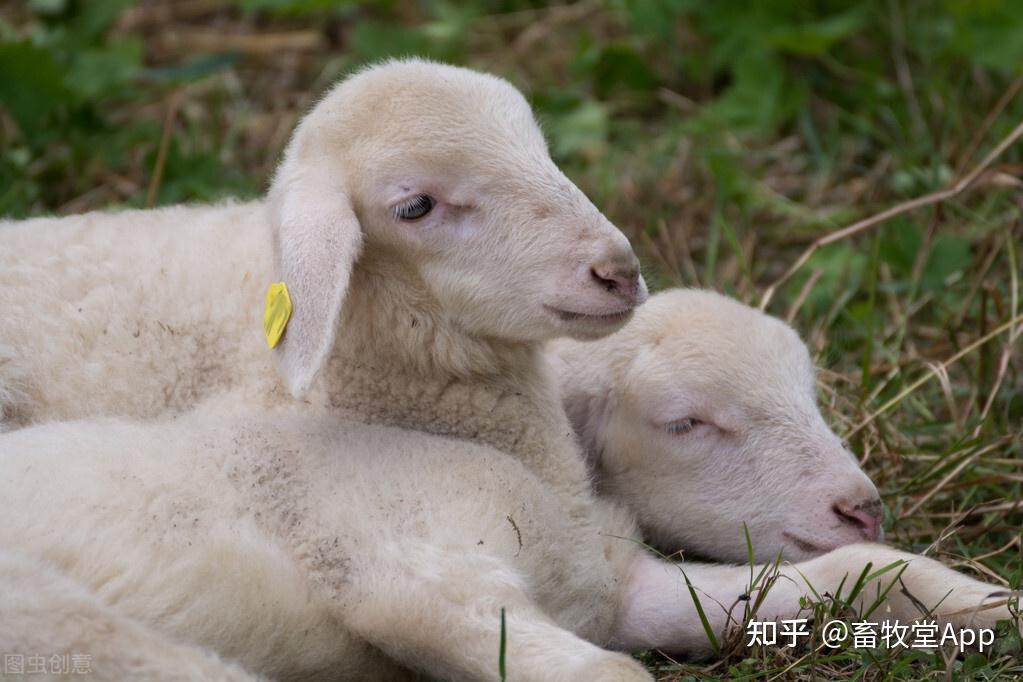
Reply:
x=865, y=517
x=620, y=277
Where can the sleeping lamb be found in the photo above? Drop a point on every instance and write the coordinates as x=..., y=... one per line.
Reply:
x=430, y=246
x=307, y=547
x=698, y=410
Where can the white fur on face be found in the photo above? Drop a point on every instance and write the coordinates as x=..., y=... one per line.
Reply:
x=702, y=417
x=510, y=247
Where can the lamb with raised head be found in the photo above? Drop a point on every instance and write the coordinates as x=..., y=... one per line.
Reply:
x=418, y=218
x=429, y=186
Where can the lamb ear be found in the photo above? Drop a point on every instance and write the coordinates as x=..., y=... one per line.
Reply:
x=316, y=243
x=589, y=412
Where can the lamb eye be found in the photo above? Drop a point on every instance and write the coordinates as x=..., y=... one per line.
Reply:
x=414, y=208
x=682, y=426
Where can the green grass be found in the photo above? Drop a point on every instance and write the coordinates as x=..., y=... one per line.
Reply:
x=722, y=137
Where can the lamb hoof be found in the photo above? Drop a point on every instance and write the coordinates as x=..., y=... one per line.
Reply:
x=977, y=604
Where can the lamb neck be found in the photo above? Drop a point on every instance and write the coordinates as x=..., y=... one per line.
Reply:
x=398, y=360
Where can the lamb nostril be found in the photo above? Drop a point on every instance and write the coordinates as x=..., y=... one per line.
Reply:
x=622, y=279
x=865, y=517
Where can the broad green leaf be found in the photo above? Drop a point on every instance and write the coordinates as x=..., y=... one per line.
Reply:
x=816, y=38
x=619, y=68
x=31, y=85
x=582, y=130
x=760, y=97
x=901, y=241
x=950, y=253
x=94, y=17
x=96, y=73
x=193, y=69
x=296, y=7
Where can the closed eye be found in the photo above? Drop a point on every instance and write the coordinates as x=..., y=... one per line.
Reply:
x=682, y=426
x=414, y=208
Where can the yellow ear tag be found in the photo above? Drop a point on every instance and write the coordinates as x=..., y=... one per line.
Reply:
x=277, y=313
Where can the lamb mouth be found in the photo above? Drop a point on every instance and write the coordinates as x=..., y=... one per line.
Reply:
x=803, y=545
x=606, y=318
